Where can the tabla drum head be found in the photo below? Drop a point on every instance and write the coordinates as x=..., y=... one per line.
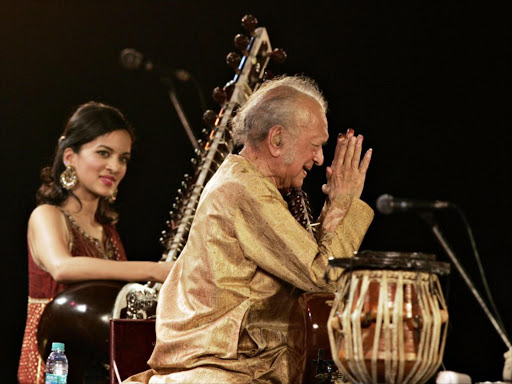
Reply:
x=405, y=261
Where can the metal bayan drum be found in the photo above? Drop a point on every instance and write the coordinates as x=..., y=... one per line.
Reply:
x=389, y=319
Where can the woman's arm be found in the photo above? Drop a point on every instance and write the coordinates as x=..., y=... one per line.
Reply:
x=48, y=239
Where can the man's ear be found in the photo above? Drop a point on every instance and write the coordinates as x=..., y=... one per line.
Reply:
x=275, y=140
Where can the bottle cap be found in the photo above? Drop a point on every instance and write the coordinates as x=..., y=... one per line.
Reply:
x=57, y=346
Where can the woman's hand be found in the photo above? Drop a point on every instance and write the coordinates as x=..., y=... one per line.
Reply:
x=162, y=269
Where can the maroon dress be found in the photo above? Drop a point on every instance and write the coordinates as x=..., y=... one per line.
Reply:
x=43, y=288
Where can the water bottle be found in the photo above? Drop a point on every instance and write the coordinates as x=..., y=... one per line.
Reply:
x=57, y=365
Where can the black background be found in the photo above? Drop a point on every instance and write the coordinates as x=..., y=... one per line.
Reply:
x=425, y=83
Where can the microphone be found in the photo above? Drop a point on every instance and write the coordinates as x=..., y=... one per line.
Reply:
x=134, y=60
x=387, y=204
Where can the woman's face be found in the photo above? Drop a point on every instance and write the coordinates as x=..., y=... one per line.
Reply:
x=100, y=164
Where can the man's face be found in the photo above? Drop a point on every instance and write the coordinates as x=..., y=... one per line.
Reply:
x=304, y=150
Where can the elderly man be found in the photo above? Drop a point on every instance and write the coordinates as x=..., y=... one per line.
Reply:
x=223, y=312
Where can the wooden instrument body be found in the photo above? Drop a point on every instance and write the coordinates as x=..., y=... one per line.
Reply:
x=131, y=344
x=309, y=336
x=80, y=317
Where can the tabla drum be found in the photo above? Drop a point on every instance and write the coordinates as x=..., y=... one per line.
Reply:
x=389, y=319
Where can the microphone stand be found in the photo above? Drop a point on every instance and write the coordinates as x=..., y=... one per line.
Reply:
x=428, y=217
x=179, y=110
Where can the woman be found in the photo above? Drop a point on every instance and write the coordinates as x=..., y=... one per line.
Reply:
x=71, y=233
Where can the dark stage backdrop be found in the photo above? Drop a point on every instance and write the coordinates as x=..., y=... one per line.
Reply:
x=424, y=82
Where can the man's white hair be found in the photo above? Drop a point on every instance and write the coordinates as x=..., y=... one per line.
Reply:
x=274, y=103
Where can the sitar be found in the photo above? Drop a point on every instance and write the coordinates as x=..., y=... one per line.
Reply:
x=139, y=301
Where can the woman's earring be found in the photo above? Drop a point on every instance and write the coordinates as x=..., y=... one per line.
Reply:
x=112, y=198
x=68, y=178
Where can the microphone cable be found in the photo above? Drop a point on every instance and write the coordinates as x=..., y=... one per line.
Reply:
x=481, y=269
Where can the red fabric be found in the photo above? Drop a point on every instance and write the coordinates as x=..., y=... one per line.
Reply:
x=43, y=286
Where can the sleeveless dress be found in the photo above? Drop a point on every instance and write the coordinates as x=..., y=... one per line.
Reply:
x=43, y=288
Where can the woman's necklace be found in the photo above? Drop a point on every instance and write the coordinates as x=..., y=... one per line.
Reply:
x=107, y=249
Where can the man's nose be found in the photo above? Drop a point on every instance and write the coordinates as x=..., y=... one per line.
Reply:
x=319, y=157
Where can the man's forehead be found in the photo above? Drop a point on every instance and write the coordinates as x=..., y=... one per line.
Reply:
x=319, y=131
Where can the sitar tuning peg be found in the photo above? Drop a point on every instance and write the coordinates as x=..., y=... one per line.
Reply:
x=241, y=42
x=209, y=118
x=233, y=59
x=219, y=95
x=278, y=55
x=250, y=23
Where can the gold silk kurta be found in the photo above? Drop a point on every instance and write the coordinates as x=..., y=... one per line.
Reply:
x=223, y=312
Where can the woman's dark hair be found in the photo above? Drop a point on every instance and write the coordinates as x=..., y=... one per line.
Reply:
x=89, y=121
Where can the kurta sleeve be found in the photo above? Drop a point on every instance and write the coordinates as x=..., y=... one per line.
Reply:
x=270, y=236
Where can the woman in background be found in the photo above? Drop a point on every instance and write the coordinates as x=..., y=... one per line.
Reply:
x=71, y=233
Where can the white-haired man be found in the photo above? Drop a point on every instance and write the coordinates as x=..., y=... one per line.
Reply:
x=223, y=312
